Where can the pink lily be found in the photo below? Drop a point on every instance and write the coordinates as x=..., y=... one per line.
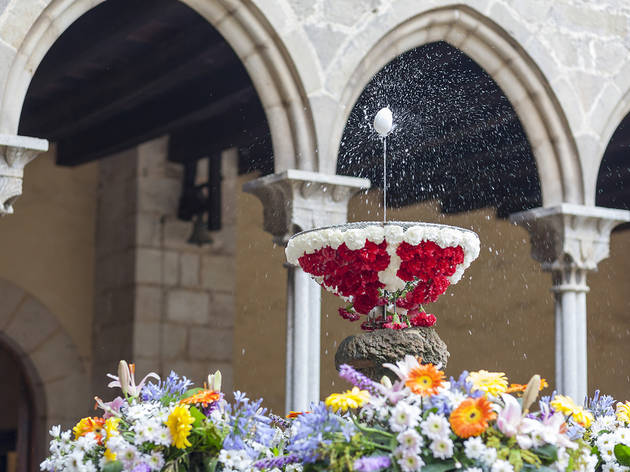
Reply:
x=126, y=381
x=510, y=416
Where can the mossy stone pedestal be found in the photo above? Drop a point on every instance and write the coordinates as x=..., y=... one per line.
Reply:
x=367, y=352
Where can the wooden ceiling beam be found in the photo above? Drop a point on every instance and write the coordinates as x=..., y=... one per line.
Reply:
x=111, y=32
x=159, y=119
x=124, y=89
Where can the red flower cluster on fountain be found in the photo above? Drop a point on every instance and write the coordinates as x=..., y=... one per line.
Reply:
x=429, y=265
x=352, y=273
x=426, y=267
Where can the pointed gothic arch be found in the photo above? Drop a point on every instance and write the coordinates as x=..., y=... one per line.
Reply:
x=241, y=24
x=510, y=67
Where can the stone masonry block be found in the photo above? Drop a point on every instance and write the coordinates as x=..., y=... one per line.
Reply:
x=144, y=365
x=176, y=234
x=148, y=303
x=171, y=268
x=56, y=358
x=31, y=325
x=11, y=297
x=148, y=229
x=210, y=343
x=175, y=341
x=189, y=269
x=218, y=272
x=187, y=306
x=148, y=266
x=158, y=194
x=146, y=339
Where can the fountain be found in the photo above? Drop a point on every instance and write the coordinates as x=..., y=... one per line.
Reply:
x=386, y=272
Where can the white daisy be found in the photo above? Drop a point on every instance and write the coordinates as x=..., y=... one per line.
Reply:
x=436, y=427
x=410, y=440
x=442, y=448
x=502, y=466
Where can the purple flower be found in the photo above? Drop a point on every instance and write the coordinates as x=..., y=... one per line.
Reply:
x=142, y=467
x=312, y=430
x=372, y=463
x=277, y=462
x=601, y=405
x=173, y=386
x=357, y=379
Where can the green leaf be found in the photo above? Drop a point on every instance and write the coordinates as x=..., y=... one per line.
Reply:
x=547, y=453
x=198, y=416
x=439, y=466
x=533, y=468
x=114, y=466
x=622, y=453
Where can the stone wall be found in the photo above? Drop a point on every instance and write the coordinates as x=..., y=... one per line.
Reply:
x=161, y=302
x=303, y=57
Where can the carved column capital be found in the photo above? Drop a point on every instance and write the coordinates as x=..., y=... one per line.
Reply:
x=570, y=235
x=297, y=200
x=15, y=153
x=569, y=240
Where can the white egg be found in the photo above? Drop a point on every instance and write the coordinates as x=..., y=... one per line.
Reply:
x=383, y=121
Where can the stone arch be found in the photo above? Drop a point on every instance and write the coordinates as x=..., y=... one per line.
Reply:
x=618, y=114
x=510, y=67
x=241, y=24
x=55, y=372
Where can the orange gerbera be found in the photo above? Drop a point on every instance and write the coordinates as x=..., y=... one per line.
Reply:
x=424, y=379
x=471, y=417
x=203, y=398
x=520, y=388
x=90, y=425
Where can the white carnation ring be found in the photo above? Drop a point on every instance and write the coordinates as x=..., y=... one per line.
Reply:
x=354, y=235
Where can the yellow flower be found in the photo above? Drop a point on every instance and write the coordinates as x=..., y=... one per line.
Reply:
x=491, y=383
x=623, y=412
x=111, y=427
x=89, y=425
x=111, y=430
x=567, y=406
x=354, y=398
x=109, y=455
x=179, y=423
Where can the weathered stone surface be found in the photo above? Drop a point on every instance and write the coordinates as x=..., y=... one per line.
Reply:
x=367, y=352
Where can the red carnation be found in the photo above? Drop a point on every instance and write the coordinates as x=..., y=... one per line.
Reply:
x=348, y=315
x=421, y=319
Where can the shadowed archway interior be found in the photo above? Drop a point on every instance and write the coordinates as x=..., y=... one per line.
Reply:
x=457, y=139
x=128, y=71
x=613, y=180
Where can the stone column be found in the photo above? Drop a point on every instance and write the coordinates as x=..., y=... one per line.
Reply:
x=295, y=201
x=570, y=240
x=15, y=153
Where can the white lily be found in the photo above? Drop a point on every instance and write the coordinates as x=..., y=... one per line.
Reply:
x=403, y=367
x=214, y=381
x=126, y=380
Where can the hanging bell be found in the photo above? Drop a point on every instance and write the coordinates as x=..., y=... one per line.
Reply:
x=200, y=234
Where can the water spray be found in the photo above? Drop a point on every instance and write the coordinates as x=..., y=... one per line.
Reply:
x=383, y=125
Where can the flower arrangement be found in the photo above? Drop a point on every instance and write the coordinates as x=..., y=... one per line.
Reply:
x=165, y=426
x=397, y=265
x=420, y=422
x=605, y=427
